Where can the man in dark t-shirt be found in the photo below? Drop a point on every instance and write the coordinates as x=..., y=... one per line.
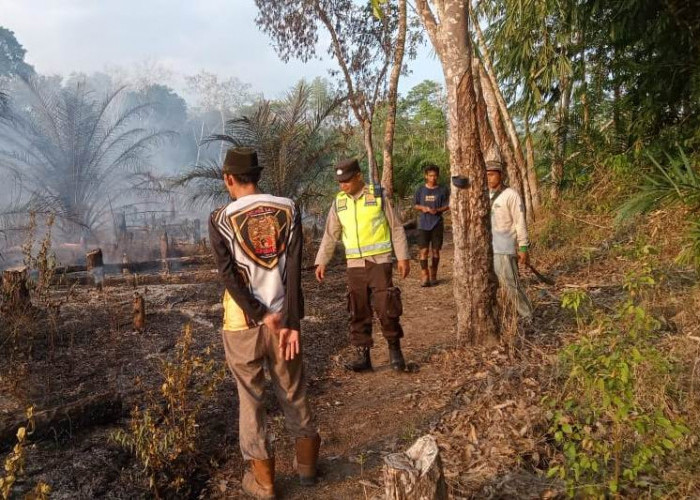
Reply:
x=431, y=200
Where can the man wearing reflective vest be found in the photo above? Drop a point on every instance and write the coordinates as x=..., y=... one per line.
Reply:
x=369, y=228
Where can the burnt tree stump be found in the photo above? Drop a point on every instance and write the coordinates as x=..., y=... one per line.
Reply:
x=95, y=266
x=164, y=250
x=197, y=231
x=125, y=264
x=139, y=312
x=14, y=290
x=416, y=474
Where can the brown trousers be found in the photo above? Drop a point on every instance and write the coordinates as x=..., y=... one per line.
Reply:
x=246, y=353
x=371, y=287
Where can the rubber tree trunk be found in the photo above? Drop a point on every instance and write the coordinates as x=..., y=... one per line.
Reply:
x=388, y=151
x=487, y=140
x=531, y=202
x=514, y=174
x=475, y=282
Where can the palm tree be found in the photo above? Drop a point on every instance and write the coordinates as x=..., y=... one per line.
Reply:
x=71, y=150
x=292, y=144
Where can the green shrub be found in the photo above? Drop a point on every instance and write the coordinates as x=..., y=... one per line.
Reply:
x=611, y=420
x=164, y=436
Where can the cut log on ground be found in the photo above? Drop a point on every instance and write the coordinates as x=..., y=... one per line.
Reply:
x=139, y=267
x=94, y=410
x=416, y=474
x=135, y=280
x=14, y=290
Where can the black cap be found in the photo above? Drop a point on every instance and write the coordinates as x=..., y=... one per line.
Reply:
x=241, y=161
x=346, y=169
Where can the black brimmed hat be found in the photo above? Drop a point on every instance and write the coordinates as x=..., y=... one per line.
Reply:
x=240, y=161
x=346, y=170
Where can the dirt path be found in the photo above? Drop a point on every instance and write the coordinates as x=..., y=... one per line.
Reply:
x=362, y=416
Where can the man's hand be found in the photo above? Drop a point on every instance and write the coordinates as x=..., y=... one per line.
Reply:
x=272, y=321
x=288, y=343
x=523, y=258
x=404, y=268
x=320, y=272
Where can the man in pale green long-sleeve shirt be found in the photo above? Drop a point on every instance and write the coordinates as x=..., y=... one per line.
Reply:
x=509, y=231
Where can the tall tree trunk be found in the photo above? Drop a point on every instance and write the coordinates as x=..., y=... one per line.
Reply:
x=561, y=136
x=490, y=147
x=531, y=204
x=475, y=282
x=369, y=147
x=388, y=153
x=514, y=175
x=357, y=101
x=530, y=159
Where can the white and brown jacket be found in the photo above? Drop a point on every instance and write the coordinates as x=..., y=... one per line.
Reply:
x=508, y=225
x=257, y=243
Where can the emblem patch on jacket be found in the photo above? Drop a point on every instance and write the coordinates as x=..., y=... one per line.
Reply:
x=262, y=232
x=370, y=200
x=341, y=204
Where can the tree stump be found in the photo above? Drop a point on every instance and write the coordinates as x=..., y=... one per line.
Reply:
x=415, y=474
x=125, y=264
x=164, y=250
x=14, y=290
x=95, y=266
x=139, y=312
x=196, y=231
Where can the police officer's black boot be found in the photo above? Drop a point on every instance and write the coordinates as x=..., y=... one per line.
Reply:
x=361, y=362
x=396, y=360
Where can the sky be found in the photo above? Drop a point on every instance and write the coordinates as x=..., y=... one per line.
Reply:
x=172, y=37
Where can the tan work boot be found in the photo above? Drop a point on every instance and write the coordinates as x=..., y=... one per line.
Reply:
x=424, y=278
x=259, y=479
x=433, y=271
x=307, y=458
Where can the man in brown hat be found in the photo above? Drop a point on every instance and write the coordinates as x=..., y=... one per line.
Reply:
x=257, y=243
x=509, y=236
x=369, y=228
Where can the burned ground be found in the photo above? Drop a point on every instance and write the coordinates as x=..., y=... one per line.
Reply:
x=484, y=406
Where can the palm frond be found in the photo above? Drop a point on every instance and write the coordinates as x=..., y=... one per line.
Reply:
x=678, y=183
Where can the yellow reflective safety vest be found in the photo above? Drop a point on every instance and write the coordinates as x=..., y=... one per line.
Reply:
x=365, y=228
